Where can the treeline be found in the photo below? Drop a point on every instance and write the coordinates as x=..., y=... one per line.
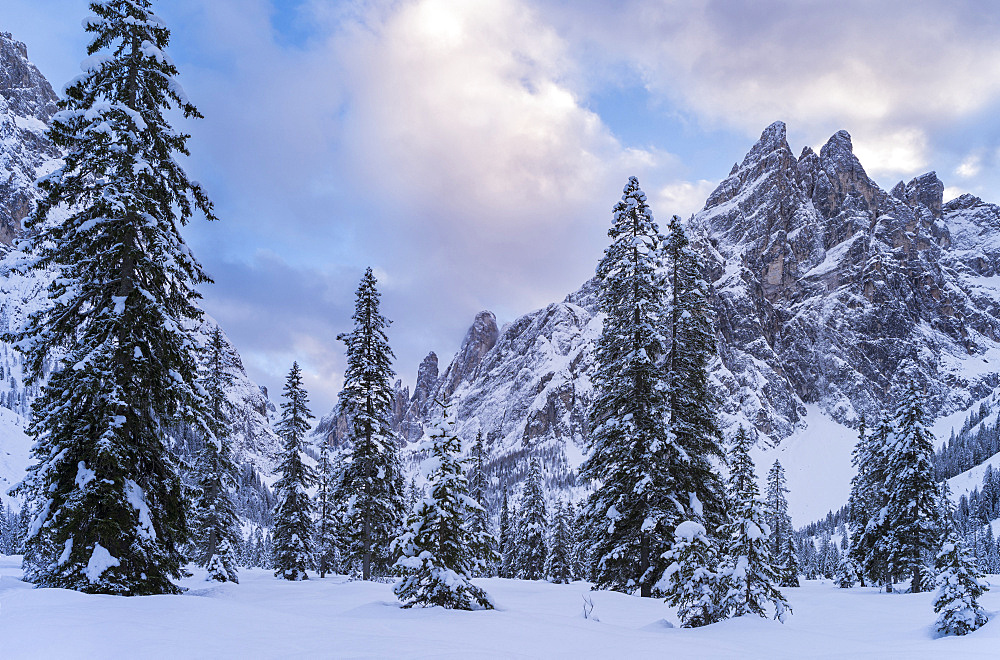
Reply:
x=975, y=443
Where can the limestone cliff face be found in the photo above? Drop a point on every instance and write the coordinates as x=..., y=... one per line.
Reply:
x=26, y=104
x=825, y=285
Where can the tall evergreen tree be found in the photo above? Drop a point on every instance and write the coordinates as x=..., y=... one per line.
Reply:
x=508, y=542
x=326, y=511
x=532, y=525
x=559, y=563
x=699, y=447
x=748, y=572
x=789, y=565
x=106, y=496
x=369, y=485
x=437, y=545
x=777, y=509
x=867, y=505
x=216, y=526
x=486, y=557
x=634, y=509
x=911, y=506
x=293, y=524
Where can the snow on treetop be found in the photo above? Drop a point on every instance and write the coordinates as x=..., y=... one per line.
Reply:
x=689, y=530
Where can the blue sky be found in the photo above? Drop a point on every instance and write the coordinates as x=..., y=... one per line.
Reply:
x=471, y=150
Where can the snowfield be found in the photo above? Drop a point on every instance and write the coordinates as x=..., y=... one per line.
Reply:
x=264, y=617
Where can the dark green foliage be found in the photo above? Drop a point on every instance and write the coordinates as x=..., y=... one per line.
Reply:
x=559, y=563
x=960, y=585
x=508, y=542
x=698, y=444
x=217, y=532
x=327, y=555
x=632, y=513
x=911, y=505
x=370, y=487
x=479, y=523
x=748, y=573
x=438, y=548
x=691, y=580
x=532, y=525
x=788, y=565
x=867, y=502
x=106, y=496
x=293, y=524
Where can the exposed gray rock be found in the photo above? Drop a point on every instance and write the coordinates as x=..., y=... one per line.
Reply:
x=27, y=102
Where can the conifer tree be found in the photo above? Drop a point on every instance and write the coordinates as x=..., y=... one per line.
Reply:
x=559, y=563
x=486, y=557
x=698, y=443
x=293, y=524
x=789, y=565
x=216, y=526
x=748, y=573
x=847, y=572
x=326, y=522
x=369, y=485
x=508, y=544
x=867, y=504
x=634, y=509
x=777, y=509
x=104, y=491
x=911, y=505
x=960, y=585
x=532, y=524
x=691, y=580
x=436, y=546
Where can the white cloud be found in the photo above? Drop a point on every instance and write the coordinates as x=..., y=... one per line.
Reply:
x=970, y=167
x=901, y=151
x=683, y=198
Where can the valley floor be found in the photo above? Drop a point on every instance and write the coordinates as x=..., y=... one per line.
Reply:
x=263, y=617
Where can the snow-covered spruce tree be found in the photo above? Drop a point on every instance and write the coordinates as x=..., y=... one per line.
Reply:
x=691, y=579
x=789, y=565
x=960, y=584
x=326, y=512
x=847, y=572
x=697, y=441
x=508, y=541
x=911, y=505
x=369, y=484
x=749, y=579
x=532, y=525
x=293, y=523
x=632, y=512
x=559, y=563
x=777, y=509
x=867, y=505
x=106, y=495
x=486, y=557
x=435, y=549
x=217, y=533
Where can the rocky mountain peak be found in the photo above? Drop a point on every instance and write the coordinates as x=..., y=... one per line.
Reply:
x=26, y=104
x=480, y=338
x=926, y=190
x=27, y=92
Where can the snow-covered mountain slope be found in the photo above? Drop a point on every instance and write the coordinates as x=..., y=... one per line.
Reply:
x=827, y=286
x=26, y=104
x=826, y=289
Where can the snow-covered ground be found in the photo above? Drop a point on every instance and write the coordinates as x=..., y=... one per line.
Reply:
x=268, y=618
x=817, y=462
